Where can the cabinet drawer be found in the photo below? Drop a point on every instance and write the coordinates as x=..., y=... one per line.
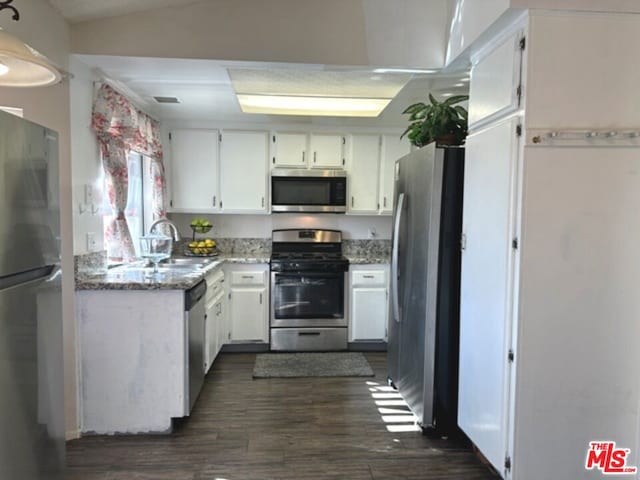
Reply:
x=368, y=277
x=215, y=283
x=247, y=278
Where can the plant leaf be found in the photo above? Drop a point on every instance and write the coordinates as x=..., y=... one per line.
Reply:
x=416, y=107
x=433, y=100
x=462, y=112
x=456, y=99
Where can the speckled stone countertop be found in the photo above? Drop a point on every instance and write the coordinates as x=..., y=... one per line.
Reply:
x=368, y=259
x=136, y=277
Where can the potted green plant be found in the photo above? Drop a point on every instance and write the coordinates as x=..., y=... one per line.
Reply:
x=443, y=122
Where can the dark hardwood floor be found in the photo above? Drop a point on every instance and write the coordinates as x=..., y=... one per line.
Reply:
x=306, y=428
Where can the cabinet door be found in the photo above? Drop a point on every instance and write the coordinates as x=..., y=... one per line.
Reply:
x=243, y=171
x=368, y=313
x=486, y=288
x=327, y=150
x=364, y=160
x=393, y=148
x=222, y=324
x=249, y=314
x=194, y=170
x=494, y=82
x=289, y=150
x=210, y=334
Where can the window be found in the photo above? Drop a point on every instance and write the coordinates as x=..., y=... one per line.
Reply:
x=138, y=212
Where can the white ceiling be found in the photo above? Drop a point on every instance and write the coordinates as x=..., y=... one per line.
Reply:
x=204, y=87
x=205, y=91
x=80, y=10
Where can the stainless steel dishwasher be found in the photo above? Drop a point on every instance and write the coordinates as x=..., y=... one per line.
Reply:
x=194, y=307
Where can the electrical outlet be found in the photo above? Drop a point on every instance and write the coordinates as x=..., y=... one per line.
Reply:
x=92, y=244
x=88, y=193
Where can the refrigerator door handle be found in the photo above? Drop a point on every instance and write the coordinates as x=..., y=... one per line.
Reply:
x=394, y=258
x=46, y=273
x=55, y=273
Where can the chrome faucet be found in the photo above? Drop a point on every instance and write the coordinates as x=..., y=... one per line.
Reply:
x=176, y=234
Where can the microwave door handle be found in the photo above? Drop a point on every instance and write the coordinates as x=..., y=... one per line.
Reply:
x=394, y=258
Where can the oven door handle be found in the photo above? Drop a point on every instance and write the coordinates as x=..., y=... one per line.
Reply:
x=394, y=257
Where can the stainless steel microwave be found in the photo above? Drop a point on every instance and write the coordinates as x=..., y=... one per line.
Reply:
x=313, y=191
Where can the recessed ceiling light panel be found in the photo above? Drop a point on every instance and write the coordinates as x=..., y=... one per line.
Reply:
x=303, y=92
x=323, y=106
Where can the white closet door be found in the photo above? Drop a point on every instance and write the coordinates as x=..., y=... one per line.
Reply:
x=485, y=320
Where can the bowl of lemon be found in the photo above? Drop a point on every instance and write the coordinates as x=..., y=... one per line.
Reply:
x=205, y=247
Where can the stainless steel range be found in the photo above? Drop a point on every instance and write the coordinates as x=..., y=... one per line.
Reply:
x=308, y=300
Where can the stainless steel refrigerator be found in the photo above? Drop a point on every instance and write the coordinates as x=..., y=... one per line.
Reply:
x=31, y=366
x=425, y=284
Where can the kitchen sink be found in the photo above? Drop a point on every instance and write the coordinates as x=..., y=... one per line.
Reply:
x=186, y=262
x=172, y=264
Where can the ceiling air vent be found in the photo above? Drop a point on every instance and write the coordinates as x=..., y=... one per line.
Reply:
x=166, y=99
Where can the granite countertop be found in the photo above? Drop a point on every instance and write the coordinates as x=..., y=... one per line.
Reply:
x=368, y=259
x=135, y=276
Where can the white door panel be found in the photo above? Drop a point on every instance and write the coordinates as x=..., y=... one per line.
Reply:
x=243, y=171
x=485, y=286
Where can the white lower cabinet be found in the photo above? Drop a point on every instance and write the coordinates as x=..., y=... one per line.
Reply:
x=368, y=303
x=248, y=303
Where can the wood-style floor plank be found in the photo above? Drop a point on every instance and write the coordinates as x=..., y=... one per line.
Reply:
x=277, y=429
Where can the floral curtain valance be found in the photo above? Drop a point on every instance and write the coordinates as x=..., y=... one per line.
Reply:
x=115, y=117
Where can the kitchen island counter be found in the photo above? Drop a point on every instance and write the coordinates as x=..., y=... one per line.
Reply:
x=135, y=277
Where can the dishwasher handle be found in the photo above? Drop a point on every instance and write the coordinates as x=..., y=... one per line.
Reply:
x=194, y=294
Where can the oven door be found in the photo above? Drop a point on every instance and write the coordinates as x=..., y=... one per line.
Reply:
x=307, y=299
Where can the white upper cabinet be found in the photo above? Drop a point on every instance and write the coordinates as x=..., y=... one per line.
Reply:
x=327, y=150
x=243, y=166
x=363, y=167
x=289, y=149
x=194, y=171
x=393, y=148
x=495, y=85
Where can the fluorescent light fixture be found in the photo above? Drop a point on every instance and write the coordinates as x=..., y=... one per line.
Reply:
x=3, y=69
x=301, y=105
x=404, y=70
x=459, y=85
x=25, y=67
x=445, y=95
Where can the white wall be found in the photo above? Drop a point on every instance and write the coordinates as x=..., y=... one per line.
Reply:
x=45, y=30
x=87, y=168
x=468, y=20
x=260, y=226
x=472, y=23
x=335, y=32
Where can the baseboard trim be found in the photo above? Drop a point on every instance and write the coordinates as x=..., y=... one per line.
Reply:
x=72, y=434
x=367, y=346
x=245, y=348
